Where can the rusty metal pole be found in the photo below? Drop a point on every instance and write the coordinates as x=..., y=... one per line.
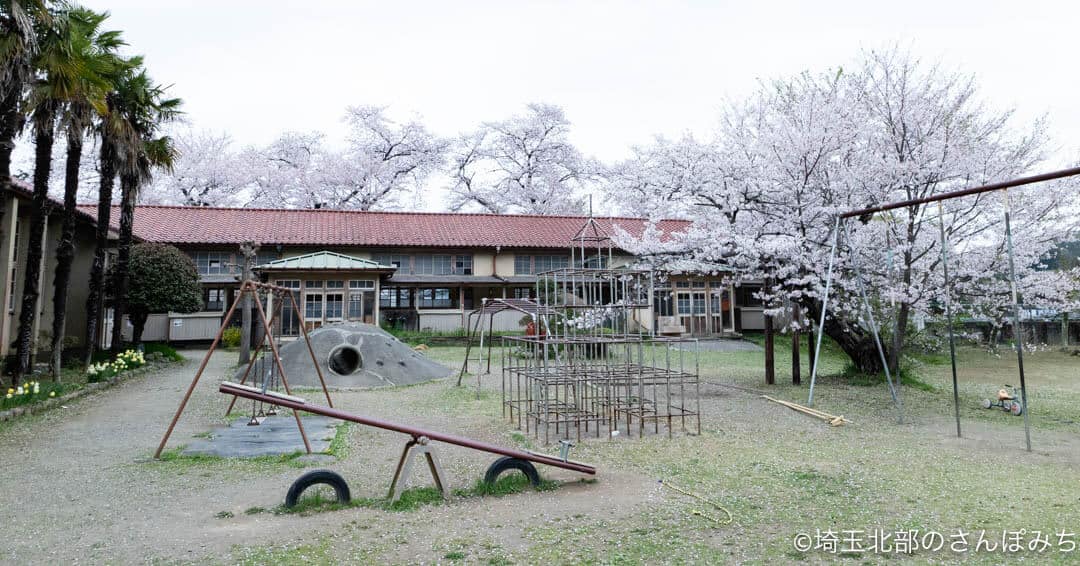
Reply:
x=948, y=313
x=307, y=340
x=251, y=363
x=1018, y=335
x=198, y=374
x=281, y=371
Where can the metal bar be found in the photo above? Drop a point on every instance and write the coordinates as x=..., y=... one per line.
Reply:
x=281, y=369
x=198, y=374
x=824, y=308
x=1018, y=335
x=874, y=330
x=292, y=403
x=307, y=340
x=965, y=192
x=948, y=314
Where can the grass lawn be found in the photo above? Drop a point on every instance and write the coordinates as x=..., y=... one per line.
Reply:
x=778, y=472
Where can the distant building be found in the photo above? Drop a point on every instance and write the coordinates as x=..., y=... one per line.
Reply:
x=14, y=230
x=421, y=271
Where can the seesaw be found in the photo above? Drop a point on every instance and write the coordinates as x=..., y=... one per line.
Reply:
x=510, y=459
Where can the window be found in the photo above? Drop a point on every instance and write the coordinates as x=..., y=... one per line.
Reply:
x=395, y=297
x=313, y=307
x=527, y=265
x=662, y=304
x=362, y=284
x=467, y=301
x=399, y=261
x=524, y=292
x=262, y=258
x=684, y=303
x=442, y=264
x=699, y=303
x=215, y=300
x=550, y=262
x=744, y=296
x=313, y=284
x=698, y=284
x=356, y=306
x=335, y=284
x=423, y=265
x=436, y=298
x=335, y=303
x=290, y=323
x=522, y=264
x=463, y=265
x=213, y=263
x=593, y=262
x=682, y=284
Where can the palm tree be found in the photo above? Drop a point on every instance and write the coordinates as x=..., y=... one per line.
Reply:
x=145, y=109
x=102, y=65
x=18, y=43
x=113, y=131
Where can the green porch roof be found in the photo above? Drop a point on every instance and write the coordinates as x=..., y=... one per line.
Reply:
x=325, y=261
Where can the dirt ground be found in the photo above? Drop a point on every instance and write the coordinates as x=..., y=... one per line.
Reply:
x=80, y=486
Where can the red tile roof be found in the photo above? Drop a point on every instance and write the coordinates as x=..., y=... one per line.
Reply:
x=208, y=225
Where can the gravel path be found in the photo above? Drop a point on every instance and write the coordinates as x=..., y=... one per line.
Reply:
x=80, y=486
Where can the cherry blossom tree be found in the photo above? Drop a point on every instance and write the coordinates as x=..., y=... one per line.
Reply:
x=207, y=172
x=788, y=159
x=524, y=164
x=381, y=163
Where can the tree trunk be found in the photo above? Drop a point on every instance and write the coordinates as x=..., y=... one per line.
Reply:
x=811, y=346
x=899, y=334
x=9, y=125
x=94, y=302
x=248, y=250
x=138, y=324
x=796, y=369
x=43, y=145
x=854, y=341
x=65, y=251
x=129, y=187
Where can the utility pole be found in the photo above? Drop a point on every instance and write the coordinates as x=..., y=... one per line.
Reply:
x=248, y=250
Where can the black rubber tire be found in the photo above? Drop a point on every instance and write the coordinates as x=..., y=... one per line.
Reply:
x=507, y=463
x=332, y=479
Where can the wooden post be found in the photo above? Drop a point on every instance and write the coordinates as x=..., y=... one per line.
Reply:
x=1065, y=329
x=796, y=378
x=770, y=369
x=810, y=347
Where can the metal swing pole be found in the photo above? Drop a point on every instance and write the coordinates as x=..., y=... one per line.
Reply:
x=1017, y=331
x=874, y=330
x=824, y=307
x=948, y=313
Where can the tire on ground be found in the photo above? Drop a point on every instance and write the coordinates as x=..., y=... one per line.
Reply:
x=507, y=463
x=314, y=477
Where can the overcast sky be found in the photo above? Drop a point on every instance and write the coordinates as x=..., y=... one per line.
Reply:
x=623, y=71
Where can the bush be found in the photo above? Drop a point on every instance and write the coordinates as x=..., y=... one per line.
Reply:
x=166, y=351
x=163, y=279
x=230, y=338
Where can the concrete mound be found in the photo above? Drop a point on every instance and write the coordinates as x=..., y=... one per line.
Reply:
x=352, y=354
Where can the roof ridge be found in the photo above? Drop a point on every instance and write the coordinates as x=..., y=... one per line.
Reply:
x=393, y=212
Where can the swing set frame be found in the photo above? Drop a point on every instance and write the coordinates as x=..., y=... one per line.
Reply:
x=840, y=228
x=268, y=343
